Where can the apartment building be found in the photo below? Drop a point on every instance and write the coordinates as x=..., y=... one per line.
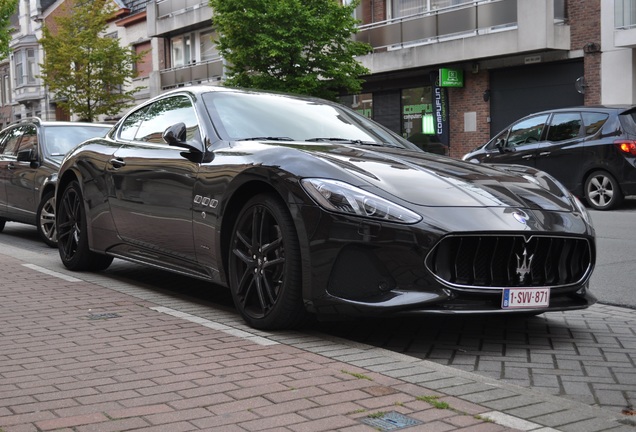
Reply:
x=509, y=57
x=446, y=74
x=23, y=91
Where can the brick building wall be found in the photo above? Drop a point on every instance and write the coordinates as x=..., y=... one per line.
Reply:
x=468, y=99
x=584, y=18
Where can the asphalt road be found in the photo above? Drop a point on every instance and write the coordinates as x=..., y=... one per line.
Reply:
x=614, y=279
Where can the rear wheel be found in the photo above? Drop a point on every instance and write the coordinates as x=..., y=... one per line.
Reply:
x=264, y=266
x=72, y=238
x=602, y=191
x=46, y=219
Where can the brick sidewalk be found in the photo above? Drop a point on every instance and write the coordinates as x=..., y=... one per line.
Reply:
x=77, y=356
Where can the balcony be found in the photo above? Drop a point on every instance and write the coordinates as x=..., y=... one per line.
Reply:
x=168, y=17
x=469, y=31
x=191, y=74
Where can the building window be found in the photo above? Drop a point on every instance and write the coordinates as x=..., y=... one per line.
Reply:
x=193, y=48
x=402, y=8
x=208, y=47
x=181, y=48
x=6, y=90
x=143, y=67
x=26, y=66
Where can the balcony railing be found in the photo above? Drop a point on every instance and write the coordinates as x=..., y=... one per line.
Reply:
x=191, y=74
x=170, y=7
x=474, y=17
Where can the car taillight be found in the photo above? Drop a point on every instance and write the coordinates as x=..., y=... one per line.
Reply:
x=627, y=146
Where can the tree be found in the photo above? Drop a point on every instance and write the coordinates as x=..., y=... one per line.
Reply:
x=86, y=70
x=296, y=46
x=7, y=9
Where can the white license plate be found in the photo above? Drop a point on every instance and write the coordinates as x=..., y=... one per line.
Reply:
x=525, y=298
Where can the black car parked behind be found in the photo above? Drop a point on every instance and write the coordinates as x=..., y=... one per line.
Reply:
x=591, y=150
x=31, y=151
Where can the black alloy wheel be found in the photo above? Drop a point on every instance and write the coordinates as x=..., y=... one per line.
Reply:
x=264, y=266
x=72, y=239
x=46, y=219
x=602, y=191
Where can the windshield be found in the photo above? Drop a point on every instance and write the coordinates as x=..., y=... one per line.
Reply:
x=59, y=140
x=245, y=116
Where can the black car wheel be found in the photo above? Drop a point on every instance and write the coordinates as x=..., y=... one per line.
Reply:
x=264, y=266
x=72, y=239
x=46, y=219
x=602, y=191
x=2, y=222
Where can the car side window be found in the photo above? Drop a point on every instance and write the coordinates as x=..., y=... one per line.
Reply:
x=165, y=113
x=527, y=131
x=12, y=141
x=564, y=126
x=593, y=122
x=131, y=124
x=4, y=136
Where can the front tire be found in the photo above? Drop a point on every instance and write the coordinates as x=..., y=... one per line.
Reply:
x=264, y=266
x=72, y=234
x=602, y=191
x=46, y=219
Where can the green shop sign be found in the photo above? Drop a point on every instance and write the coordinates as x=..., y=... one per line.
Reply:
x=451, y=77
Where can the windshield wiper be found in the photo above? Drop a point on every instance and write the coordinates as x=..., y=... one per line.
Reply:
x=344, y=140
x=266, y=138
x=353, y=141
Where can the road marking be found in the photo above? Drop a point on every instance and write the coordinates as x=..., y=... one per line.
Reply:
x=215, y=326
x=514, y=422
x=52, y=273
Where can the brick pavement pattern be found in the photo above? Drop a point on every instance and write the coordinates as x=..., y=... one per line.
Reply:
x=92, y=352
x=80, y=357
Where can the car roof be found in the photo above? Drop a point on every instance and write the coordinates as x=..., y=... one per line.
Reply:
x=595, y=108
x=57, y=122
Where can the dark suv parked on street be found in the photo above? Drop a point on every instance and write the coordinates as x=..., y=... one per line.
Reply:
x=591, y=150
x=31, y=152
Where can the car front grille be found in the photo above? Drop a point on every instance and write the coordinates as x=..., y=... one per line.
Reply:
x=497, y=261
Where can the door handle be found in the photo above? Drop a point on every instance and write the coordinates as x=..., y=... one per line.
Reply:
x=544, y=153
x=526, y=157
x=117, y=163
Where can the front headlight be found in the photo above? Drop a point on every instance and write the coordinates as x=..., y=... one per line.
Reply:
x=337, y=196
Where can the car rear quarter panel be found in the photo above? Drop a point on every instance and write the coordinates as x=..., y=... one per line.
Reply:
x=88, y=165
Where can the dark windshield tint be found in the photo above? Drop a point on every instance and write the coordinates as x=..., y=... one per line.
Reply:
x=61, y=139
x=243, y=116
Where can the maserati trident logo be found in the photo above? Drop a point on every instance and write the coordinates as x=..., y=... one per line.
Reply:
x=524, y=263
x=521, y=216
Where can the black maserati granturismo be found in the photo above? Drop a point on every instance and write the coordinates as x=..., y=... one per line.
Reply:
x=304, y=208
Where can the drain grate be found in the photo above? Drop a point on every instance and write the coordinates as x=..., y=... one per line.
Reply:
x=391, y=421
x=107, y=315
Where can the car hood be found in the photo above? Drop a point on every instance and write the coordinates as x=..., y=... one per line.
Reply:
x=431, y=180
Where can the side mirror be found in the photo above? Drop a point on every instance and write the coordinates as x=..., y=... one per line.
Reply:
x=177, y=135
